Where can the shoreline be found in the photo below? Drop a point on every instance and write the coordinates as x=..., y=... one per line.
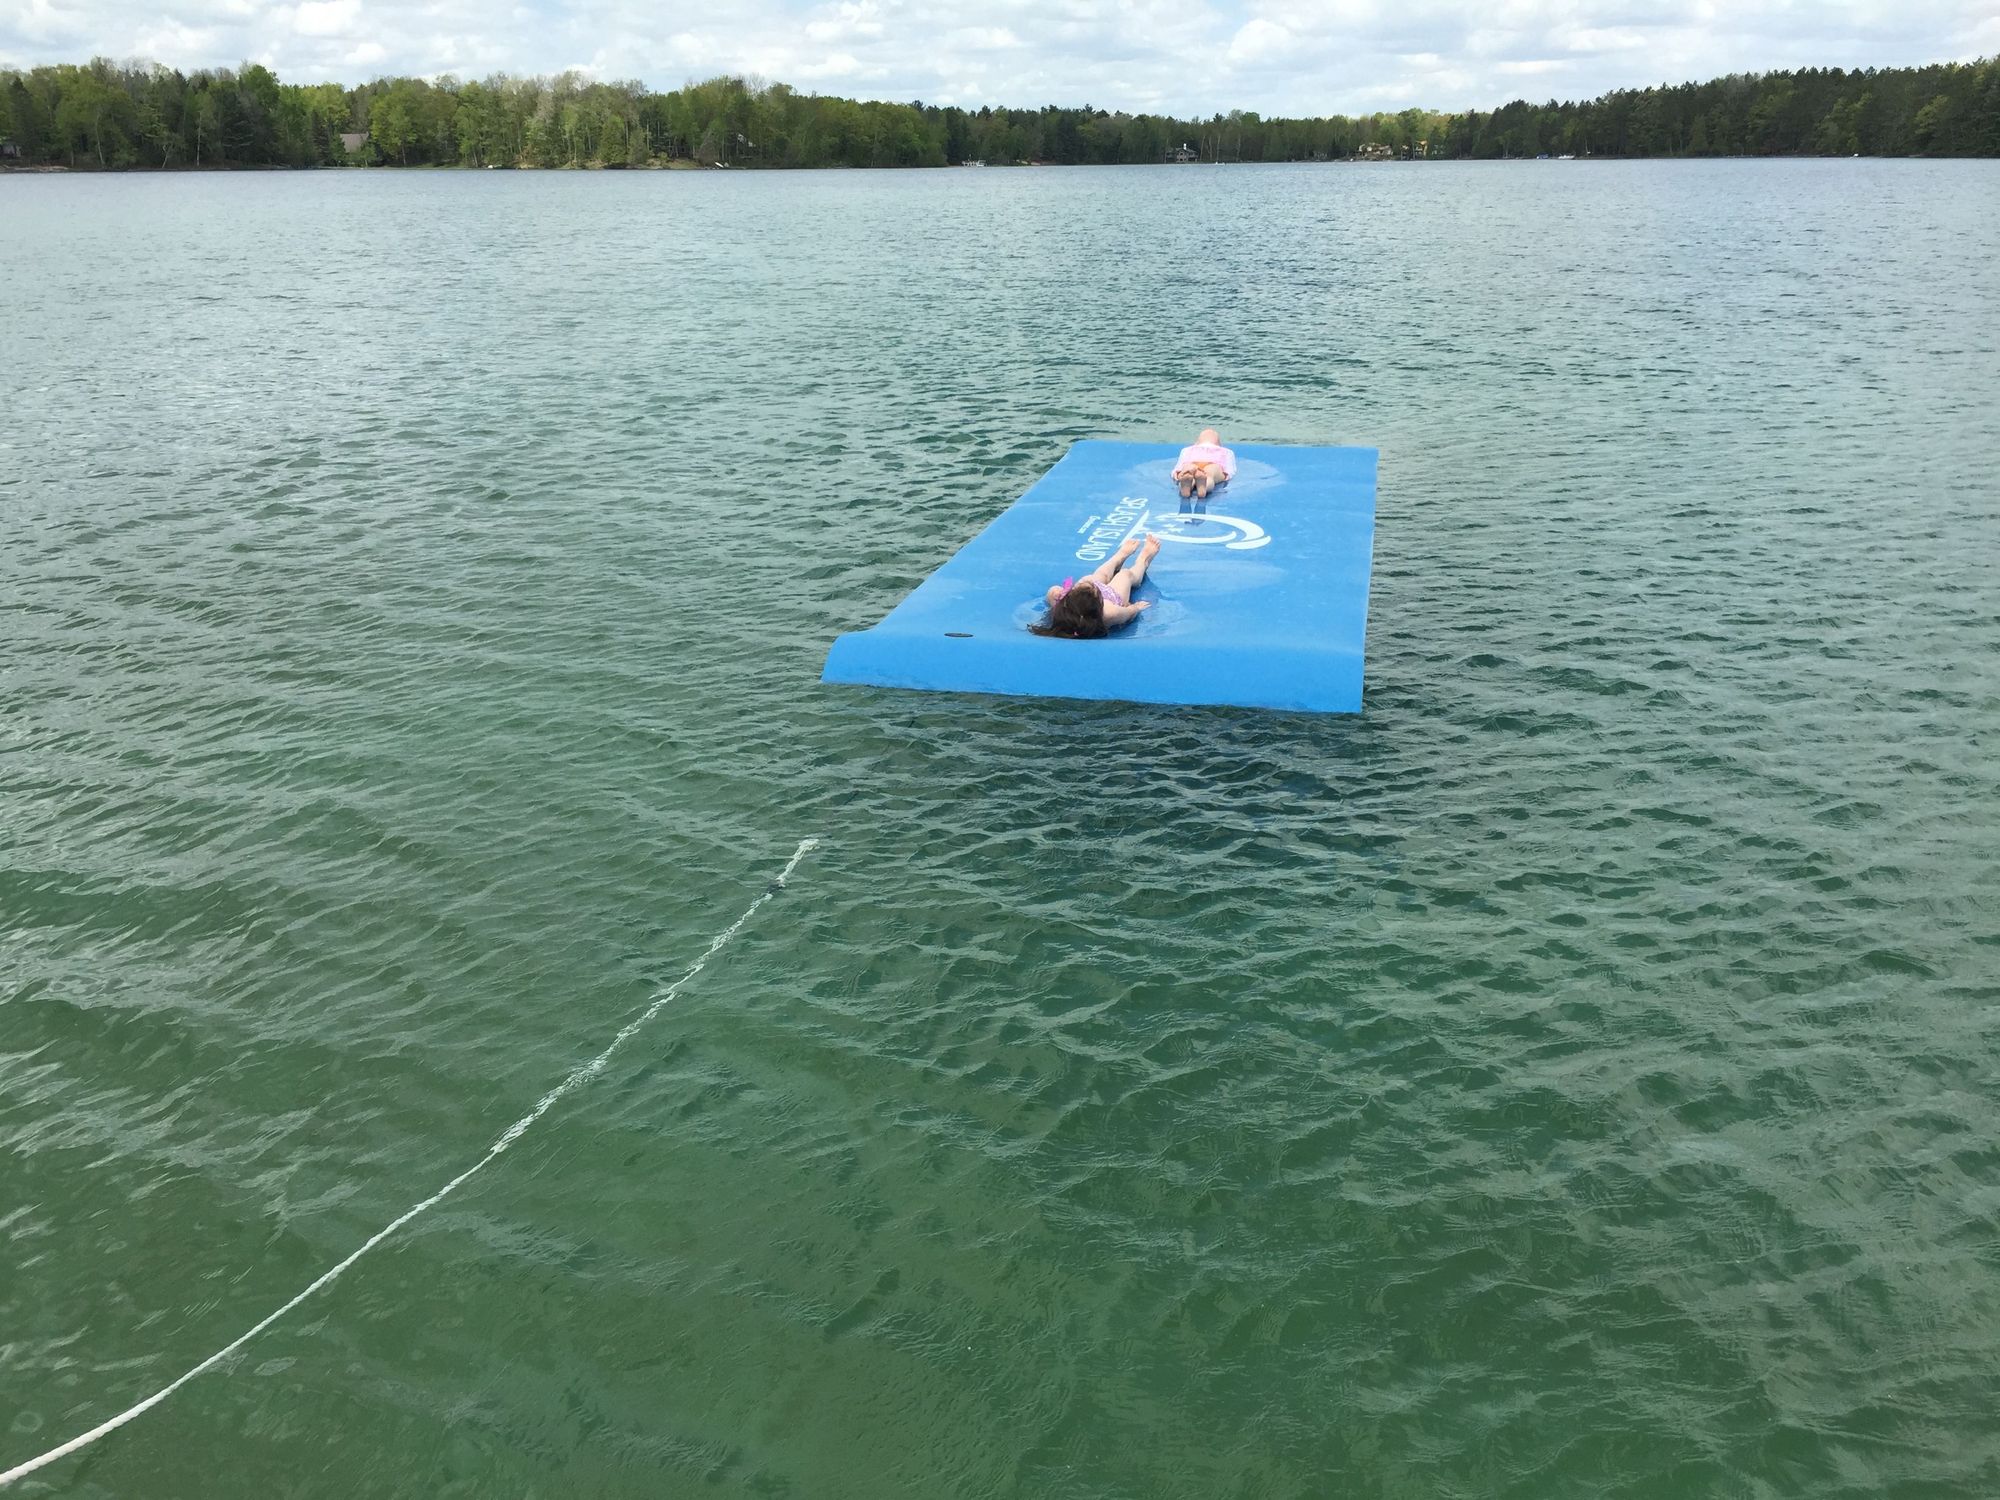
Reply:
x=81, y=169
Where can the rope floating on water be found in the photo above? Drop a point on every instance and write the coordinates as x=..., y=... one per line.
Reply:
x=512, y=1134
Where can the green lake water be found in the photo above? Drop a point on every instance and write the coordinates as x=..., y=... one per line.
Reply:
x=1578, y=1075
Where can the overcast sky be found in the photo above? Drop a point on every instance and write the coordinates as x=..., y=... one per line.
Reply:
x=1294, y=57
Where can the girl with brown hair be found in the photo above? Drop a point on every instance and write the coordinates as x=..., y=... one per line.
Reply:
x=1096, y=604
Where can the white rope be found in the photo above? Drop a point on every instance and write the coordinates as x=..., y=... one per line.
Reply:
x=512, y=1134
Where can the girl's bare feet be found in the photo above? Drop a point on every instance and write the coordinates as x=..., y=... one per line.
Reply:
x=1185, y=484
x=1135, y=574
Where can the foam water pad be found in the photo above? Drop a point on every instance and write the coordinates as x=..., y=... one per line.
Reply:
x=1259, y=594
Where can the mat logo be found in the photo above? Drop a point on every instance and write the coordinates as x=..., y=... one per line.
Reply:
x=1102, y=534
x=1128, y=518
x=1201, y=525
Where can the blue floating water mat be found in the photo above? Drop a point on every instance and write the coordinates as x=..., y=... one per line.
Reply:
x=1260, y=594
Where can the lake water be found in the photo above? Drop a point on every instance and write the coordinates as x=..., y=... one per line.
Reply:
x=1575, y=1076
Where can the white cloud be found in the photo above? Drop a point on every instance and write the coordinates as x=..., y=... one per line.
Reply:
x=1186, y=56
x=327, y=17
x=986, y=38
x=839, y=65
x=1597, y=40
x=41, y=22
x=842, y=22
x=1259, y=41
x=178, y=46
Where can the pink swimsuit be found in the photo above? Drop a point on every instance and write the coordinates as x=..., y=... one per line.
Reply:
x=1206, y=453
x=1104, y=590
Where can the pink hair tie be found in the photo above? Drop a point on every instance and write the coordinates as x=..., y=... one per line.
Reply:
x=1068, y=584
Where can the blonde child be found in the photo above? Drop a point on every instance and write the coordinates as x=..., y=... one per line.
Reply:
x=1203, y=465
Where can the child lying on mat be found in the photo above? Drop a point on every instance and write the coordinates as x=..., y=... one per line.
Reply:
x=1099, y=602
x=1203, y=465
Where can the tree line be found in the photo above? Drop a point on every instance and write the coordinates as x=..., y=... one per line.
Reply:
x=105, y=115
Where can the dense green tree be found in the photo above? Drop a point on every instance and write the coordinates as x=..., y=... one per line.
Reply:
x=106, y=116
x=392, y=125
x=94, y=117
x=1935, y=126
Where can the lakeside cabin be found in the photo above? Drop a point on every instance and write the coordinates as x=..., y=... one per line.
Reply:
x=1380, y=151
x=353, y=140
x=1183, y=153
x=9, y=151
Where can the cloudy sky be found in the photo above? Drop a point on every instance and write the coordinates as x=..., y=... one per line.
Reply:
x=1183, y=56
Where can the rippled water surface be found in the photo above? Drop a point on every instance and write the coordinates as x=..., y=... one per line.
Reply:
x=1575, y=1076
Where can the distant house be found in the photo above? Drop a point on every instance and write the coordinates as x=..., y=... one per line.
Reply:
x=10, y=151
x=353, y=141
x=1182, y=153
